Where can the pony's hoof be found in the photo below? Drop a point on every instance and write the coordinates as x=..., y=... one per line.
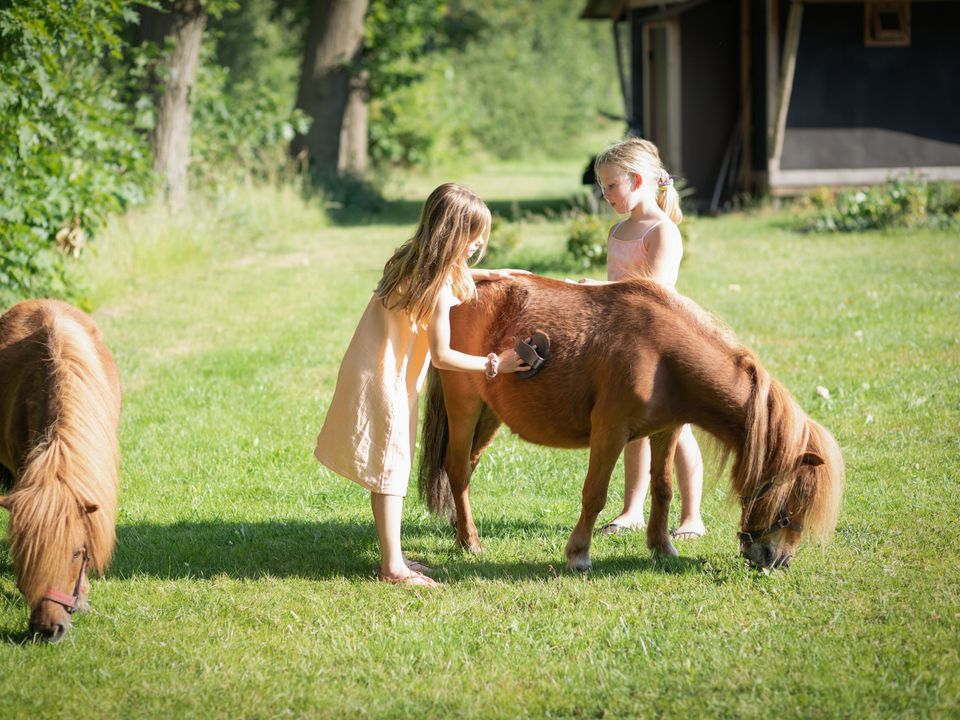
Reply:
x=665, y=549
x=470, y=546
x=580, y=563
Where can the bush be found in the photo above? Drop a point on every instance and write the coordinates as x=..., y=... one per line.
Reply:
x=504, y=238
x=904, y=202
x=587, y=242
x=70, y=155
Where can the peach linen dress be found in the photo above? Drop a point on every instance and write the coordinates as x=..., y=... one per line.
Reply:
x=629, y=257
x=370, y=429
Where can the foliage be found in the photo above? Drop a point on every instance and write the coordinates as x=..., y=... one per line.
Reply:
x=502, y=78
x=532, y=79
x=587, y=242
x=70, y=155
x=504, y=238
x=903, y=202
x=242, y=114
x=240, y=130
x=398, y=37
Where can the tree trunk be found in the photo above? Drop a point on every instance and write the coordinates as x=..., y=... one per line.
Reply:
x=332, y=92
x=182, y=27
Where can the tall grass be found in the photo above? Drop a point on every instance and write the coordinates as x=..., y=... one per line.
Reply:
x=243, y=581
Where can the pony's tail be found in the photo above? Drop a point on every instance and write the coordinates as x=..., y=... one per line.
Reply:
x=432, y=481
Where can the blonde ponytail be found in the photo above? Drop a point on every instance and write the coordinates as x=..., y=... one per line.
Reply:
x=668, y=198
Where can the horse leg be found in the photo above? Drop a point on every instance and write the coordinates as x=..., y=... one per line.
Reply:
x=662, y=448
x=606, y=445
x=463, y=418
x=486, y=429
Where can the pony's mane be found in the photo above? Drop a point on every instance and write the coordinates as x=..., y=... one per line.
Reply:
x=769, y=464
x=72, y=467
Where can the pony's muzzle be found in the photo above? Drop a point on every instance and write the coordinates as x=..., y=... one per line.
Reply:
x=51, y=633
x=763, y=555
x=49, y=624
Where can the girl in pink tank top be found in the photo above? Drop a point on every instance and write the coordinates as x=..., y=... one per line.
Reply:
x=648, y=243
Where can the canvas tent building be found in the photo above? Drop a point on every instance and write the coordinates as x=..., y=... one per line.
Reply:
x=778, y=96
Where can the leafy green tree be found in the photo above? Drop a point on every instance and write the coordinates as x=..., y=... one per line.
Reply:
x=69, y=155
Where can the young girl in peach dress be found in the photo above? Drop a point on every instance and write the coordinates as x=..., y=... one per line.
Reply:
x=647, y=242
x=369, y=432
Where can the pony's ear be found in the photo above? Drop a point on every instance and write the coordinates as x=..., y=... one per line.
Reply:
x=811, y=459
x=89, y=508
x=6, y=502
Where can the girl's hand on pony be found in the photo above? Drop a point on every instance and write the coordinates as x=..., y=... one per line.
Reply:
x=510, y=362
x=587, y=281
x=497, y=274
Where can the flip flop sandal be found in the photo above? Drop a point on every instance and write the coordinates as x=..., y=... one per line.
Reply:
x=417, y=566
x=414, y=579
x=613, y=528
x=534, y=351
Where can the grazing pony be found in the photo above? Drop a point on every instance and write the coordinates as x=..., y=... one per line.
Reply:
x=628, y=360
x=59, y=414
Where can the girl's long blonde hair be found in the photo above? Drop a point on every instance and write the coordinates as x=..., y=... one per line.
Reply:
x=636, y=155
x=452, y=217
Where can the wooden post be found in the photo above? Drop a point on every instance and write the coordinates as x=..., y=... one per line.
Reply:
x=773, y=70
x=746, y=99
x=621, y=73
x=790, y=44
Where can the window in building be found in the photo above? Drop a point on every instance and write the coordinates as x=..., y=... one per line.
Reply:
x=886, y=24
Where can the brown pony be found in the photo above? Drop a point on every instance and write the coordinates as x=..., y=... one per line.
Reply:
x=59, y=412
x=628, y=360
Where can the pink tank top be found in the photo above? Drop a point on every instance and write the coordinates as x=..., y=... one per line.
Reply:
x=628, y=257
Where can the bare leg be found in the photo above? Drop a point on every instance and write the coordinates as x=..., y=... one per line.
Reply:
x=387, y=514
x=690, y=483
x=636, y=475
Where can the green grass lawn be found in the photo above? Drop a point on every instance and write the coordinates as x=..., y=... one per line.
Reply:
x=243, y=582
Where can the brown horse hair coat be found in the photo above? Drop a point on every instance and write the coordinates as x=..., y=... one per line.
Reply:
x=66, y=379
x=628, y=359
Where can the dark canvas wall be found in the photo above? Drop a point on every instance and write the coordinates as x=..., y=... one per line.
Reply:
x=859, y=107
x=710, y=99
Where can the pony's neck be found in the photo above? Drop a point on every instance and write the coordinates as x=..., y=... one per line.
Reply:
x=718, y=394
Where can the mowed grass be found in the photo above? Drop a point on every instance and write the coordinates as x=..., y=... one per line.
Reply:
x=243, y=581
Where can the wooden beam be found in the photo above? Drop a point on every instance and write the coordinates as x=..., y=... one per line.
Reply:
x=746, y=99
x=791, y=42
x=773, y=70
x=793, y=182
x=621, y=73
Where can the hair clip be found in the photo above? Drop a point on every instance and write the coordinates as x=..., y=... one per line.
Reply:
x=665, y=181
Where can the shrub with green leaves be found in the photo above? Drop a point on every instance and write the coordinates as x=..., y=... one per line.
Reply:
x=903, y=202
x=587, y=242
x=69, y=155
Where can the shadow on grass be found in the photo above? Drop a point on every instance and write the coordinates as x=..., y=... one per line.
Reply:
x=407, y=212
x=327, y=550
x=323, y=550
